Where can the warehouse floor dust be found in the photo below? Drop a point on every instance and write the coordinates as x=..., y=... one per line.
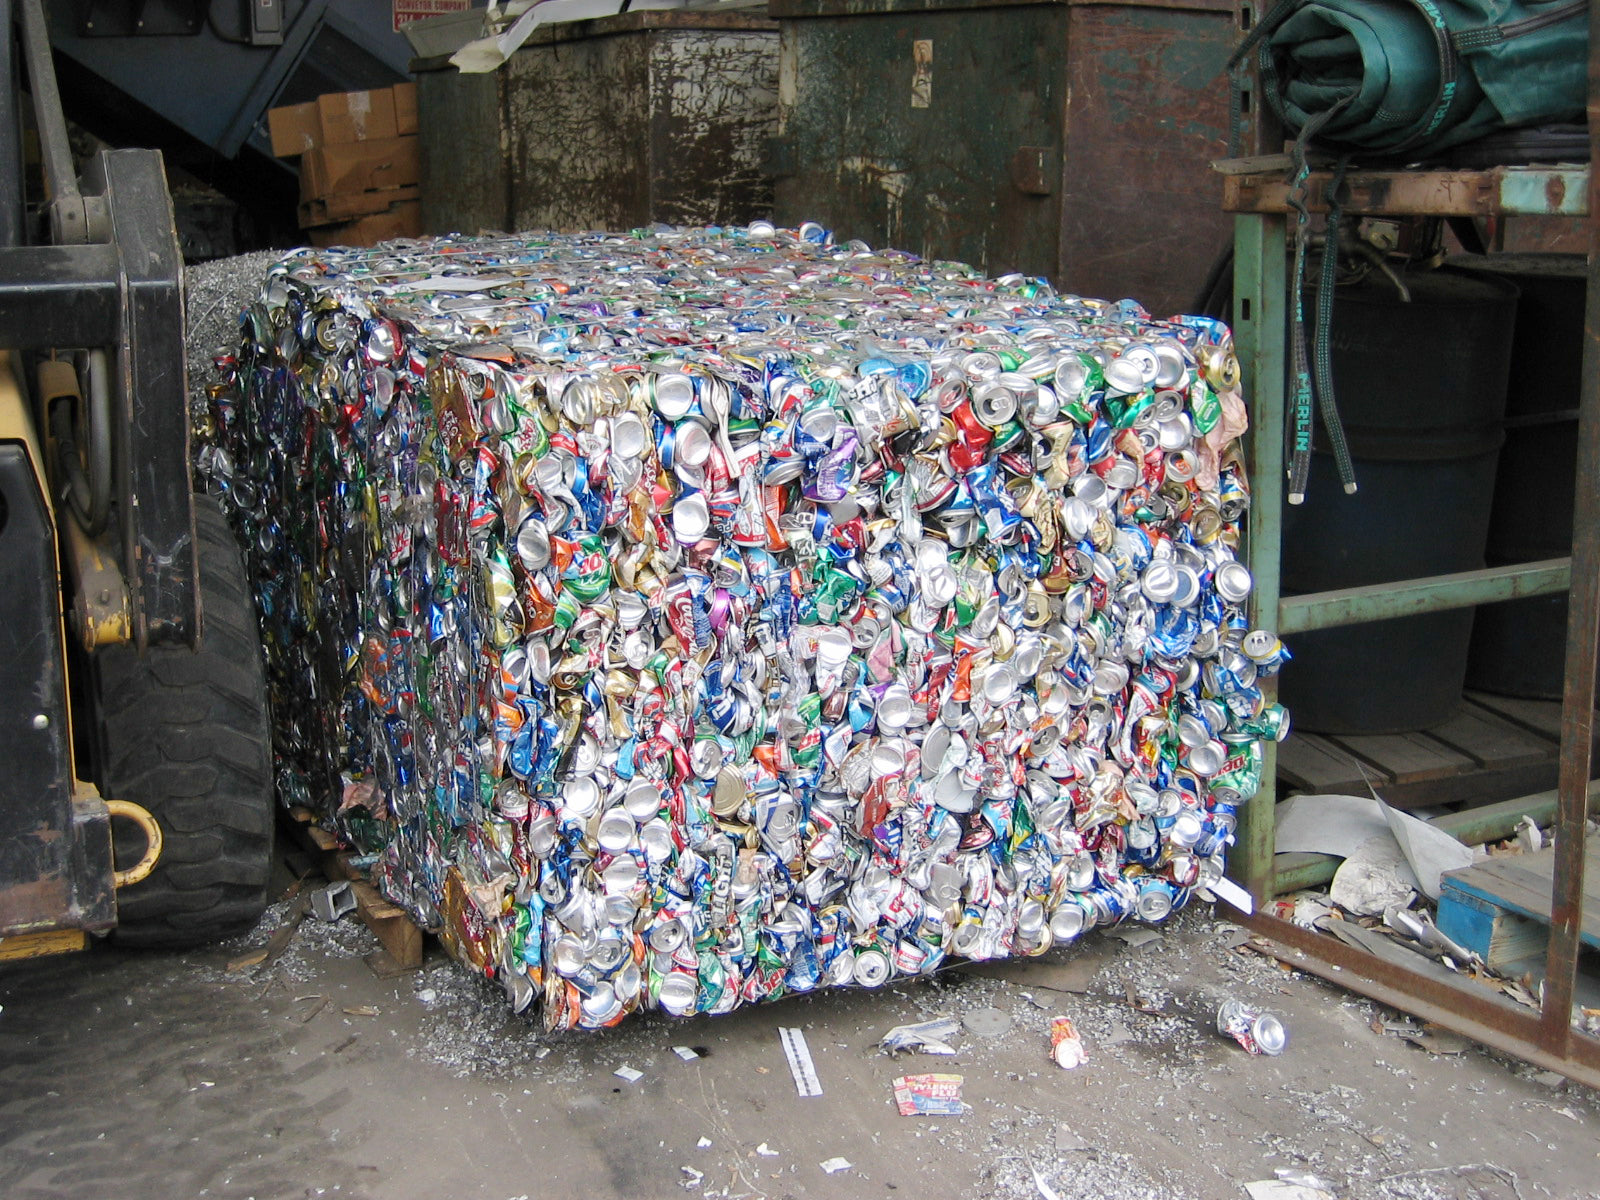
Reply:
x=166, y=1076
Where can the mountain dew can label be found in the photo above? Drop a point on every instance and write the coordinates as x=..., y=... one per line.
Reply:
x=1241, y=773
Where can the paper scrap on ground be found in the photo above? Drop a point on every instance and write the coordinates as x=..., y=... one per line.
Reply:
x=1328, y=824
x=628, y=1073
x=1229, y=892
x=1375, y=876
x=1430, y=850
x=800, y=1064
x=929, y=1095
x=685, y=1053
x=1345, y=825
x=1280, y=1189
x=834, y=1165
x=930, y=1037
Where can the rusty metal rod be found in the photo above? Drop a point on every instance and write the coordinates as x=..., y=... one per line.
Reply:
x=1583, y=630
x=1466, y=1008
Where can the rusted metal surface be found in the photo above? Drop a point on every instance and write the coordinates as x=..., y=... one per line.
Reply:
x=1063, y=140
x=1468, y=1009
x=613, y=124
x=466, y=186
x=1148, y=111
x=1527, y=191
x=1583, y=641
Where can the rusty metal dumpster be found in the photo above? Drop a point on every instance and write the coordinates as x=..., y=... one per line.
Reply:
x=1064, y=138
x=606, y=124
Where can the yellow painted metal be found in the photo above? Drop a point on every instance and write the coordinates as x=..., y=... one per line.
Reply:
x=140, y=816
x=16, y=422
x=101, y=610
x=37, y=945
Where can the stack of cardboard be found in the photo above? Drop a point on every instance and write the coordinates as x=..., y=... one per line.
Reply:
x=358, y=164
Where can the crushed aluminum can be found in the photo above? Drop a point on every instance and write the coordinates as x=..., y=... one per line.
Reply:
x=728, y=613
x=930, y=1037
x=929, y=1095
x=1066, y=1046
x=1257, y=1030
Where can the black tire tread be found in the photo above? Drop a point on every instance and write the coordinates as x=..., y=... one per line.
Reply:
x=187, y=735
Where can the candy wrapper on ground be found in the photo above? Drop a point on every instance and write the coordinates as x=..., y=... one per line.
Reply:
x=689, y=618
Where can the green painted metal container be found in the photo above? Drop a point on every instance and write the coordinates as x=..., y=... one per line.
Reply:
x=1060, y=138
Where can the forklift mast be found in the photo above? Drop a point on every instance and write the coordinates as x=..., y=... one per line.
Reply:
x=93, y=279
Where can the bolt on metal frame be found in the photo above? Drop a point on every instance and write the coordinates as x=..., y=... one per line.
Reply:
x=1257, y=195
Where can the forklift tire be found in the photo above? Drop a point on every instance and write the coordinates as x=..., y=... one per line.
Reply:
x=187, y=735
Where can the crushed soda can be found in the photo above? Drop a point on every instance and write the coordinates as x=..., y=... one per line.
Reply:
x=929, y=1037
x=1257, y=1030
x=929, y=1095
x=686, y=618
x=1066, y=1046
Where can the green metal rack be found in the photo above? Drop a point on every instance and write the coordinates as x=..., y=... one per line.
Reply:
x=1258, y=196
x=1257, y=192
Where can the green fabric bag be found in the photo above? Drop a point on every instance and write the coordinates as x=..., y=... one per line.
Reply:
x=1412, y=77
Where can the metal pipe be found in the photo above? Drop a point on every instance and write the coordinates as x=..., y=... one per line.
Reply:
x=61, y=177
x=1410, y=597
x=13, y=231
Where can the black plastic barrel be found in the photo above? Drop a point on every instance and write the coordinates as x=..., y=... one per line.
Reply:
x=1518, y=648
x=1421, y=386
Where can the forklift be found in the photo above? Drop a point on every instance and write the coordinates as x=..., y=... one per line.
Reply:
x=136, y=774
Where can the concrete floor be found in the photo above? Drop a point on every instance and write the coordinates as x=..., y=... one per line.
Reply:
x=166, y=1076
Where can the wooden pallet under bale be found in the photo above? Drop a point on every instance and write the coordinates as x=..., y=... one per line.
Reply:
x=391, y=924
x=1493, y=748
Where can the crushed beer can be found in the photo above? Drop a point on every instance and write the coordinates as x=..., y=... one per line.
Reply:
x=1257, y=1030
x=686, y=618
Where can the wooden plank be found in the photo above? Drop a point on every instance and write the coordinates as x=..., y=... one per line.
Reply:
x=1308, y=763
x=1406, y=757
x=1542, y=717
x=1474, y=787
x=391, y=924
x=1521, y=884
x=1499, y=937
x=1489, y=741
x=37, y=945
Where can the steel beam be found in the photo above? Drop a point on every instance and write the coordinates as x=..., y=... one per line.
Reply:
x=1260, y=331
x=1470, y=1010
x=1409, y=597
x=1502, y=191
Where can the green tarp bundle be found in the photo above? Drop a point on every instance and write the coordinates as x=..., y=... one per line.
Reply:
x=1412, y=77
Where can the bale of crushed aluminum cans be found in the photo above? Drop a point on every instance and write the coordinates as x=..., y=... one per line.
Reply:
x=691, y=618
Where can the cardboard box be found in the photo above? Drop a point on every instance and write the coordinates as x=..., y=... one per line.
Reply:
x=347, y=206
x=348, y=117
x=359, y=167
x=403, y=220
x=294, y=129
x=405, y=108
